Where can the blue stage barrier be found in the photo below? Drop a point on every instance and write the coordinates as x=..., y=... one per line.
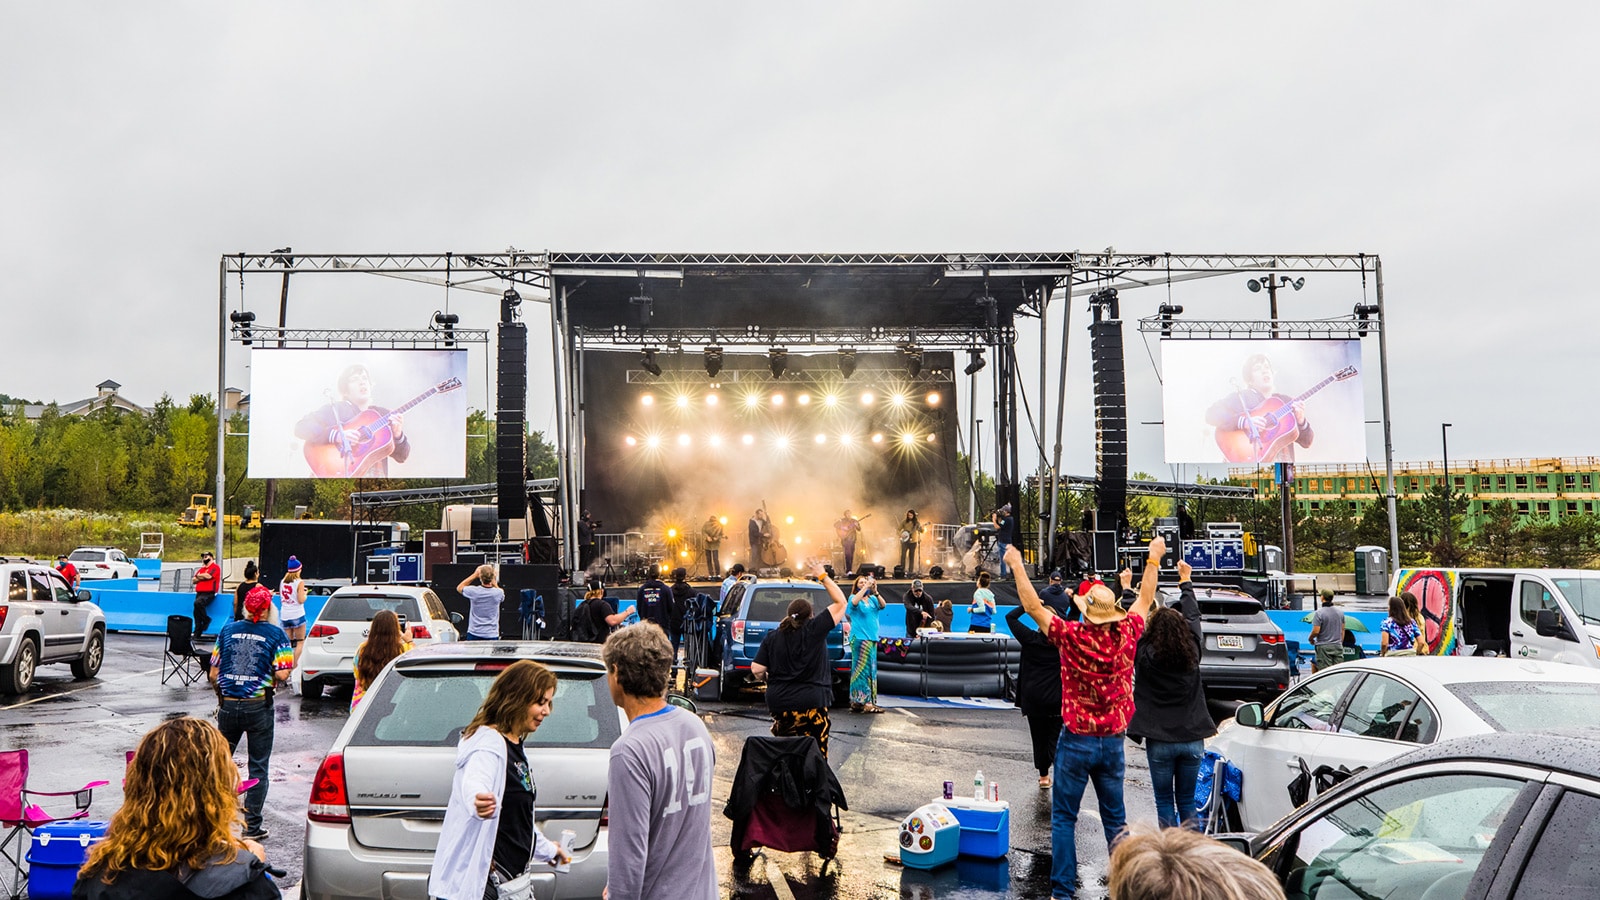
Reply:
x=130, y=605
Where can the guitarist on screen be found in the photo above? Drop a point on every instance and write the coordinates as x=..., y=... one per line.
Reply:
x=329, y=426
x=1240, y=412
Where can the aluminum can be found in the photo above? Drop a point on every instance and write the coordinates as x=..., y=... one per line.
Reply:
x=994, y=791
x=949, y=790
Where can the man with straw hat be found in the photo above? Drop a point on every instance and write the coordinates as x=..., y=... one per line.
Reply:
x=1096, y=705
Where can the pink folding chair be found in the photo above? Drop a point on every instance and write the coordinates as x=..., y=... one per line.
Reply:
x=19, y=816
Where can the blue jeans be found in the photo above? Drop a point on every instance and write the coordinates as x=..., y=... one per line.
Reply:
x=1174, y=769
x=469, y=636
x=1079, y=759
x=1000, y=548
x=235, y=719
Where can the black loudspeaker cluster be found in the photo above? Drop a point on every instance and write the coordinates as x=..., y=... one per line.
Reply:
x=1110, y=421
x=510, y=439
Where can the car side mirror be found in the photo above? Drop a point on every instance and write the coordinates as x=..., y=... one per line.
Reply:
x=1547, y=622
x=456, y=620
x=1239, y=842
x=82, y=597
x=1249, y=715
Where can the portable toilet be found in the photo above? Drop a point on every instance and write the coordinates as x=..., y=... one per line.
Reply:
x=929, y=837
x=1372, y=570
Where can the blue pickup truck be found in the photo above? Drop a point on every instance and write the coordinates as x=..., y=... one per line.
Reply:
x=749, y=612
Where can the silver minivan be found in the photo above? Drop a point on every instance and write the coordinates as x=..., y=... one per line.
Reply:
x=378, y=800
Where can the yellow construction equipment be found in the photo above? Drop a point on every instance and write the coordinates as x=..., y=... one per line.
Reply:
x=201, y=514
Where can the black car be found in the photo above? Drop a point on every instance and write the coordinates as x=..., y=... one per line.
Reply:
x=1245, y=654
x=1491, y=816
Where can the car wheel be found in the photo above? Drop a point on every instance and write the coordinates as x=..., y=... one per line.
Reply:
x=310, y=689
x=88, y=665
x=18, y=677
x=729, y=686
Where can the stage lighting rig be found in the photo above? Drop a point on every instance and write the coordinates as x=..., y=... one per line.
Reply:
x=976, y=362
x=649, y=364
x=510, y=306
x=713, y=361
x=913, y=355
x=1272, y=283
x=847, y=361
x=447, y=323
x=242, y=320
x=1363, y=312
x=1105, y=305
x=777, y=361
x=1166, y=311
x=644, y=306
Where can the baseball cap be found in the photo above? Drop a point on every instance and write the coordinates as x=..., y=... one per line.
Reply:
x=1327, y=594
x=258, y=601
x=916, y=584
x=206, y=554
x=1055, y=574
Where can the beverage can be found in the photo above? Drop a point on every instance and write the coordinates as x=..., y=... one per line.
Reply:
x=949, y=790
x=568, y=838
x=994, y=791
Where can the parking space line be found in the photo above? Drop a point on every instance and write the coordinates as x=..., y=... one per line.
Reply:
x=780, y=884
x=78, y=690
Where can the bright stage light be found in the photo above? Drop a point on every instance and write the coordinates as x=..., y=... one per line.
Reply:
x=723, y=520
x=781, y=441
x=672, y=534
x=683, y=440
x=822, y=439
x=684, y=554
x=830, y=400
x=846, y=439
x=777, y=399
x=715, y=440
x=652, y=442
x=683, y=401
x=803, y=399
x=933, y=399
x=788, y=520
x=877, y=438
x=897, y=399
x=630, y=440
x=711, y=400
x=752, y=400
x=748, y=439
x=930, y=438
x=798, y=539
x=647, y=400
x=866, y=398
x=908, y=439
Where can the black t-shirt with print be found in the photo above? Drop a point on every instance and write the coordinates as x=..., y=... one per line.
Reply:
x=513, y=843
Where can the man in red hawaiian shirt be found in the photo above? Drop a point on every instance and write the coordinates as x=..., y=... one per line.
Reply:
x=1096, y=704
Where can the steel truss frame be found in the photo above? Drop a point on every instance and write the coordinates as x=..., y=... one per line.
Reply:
x=440, y=494
x=1174, y=489
x=347, y=338
x=1351, y=327
x=877, y=337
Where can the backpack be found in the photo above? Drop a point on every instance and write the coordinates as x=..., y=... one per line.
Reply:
x=583, y=628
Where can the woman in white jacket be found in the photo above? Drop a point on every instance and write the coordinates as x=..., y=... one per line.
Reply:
x=489, y=834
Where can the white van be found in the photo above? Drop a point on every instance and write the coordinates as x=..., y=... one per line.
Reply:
x=1546, y=614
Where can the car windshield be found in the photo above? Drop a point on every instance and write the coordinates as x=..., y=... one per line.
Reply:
x=362, y=607
x=772, y=604
x=1584, y=595
x=1529, y=705
x=87, y=555
x=414, y=707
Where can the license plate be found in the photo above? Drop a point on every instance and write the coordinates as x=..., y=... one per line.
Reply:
x=1230, y=642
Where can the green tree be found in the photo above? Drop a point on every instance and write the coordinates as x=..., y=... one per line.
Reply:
x=1330, y=530
x=1499, y=539
x=191, y=452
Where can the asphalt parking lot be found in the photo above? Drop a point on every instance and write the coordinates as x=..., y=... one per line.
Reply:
x=888, y=764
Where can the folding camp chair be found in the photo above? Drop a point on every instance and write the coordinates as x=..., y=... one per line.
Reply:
x=19, y=816
x=183, y=659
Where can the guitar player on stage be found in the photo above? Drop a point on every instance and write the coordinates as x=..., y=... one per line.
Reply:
x=329, y=426
x=1240, y=413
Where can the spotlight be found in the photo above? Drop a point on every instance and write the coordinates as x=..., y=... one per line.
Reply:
x=830, y=400
x=847, y=362
x=777, y=399
x=683, y=440
x=630, y=440
x=723, y=520
x=803, y=399
x=908, y=439
x=777, y=361
x=713, y=361
x=652, y=442
x=509, y=301
x=649, y=364
x=877, y=438
x=672, y=534
x=866, y=398
x=752, y=400
x=715, y=440
x=788, y=520
x=647, y=400
x=643, y=305
x=933, y=399
x=913, y=359
x=241, y=325
x=1363, y=311
x=845, y=439
x=447, y=323
x=711, y=400
x=822, y=439
x=683, y=401
x=683, y=554
x=976, y=362
x=748, y=439
x=897, y=399
x=930, y=438
x=781, y=441
x=1166, y=311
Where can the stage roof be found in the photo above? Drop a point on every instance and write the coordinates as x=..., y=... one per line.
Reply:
x=732, y=291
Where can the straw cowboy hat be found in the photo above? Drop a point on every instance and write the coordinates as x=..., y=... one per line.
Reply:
x=1099, y=605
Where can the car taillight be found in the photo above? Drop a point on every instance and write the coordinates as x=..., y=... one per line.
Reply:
x=1272, y=639
x=421, y=631
x=323, y=631
x=4, y=611
x=491, y=667
x=101, y=566
x=330, y=802
x=738, y=631
x=605, y=812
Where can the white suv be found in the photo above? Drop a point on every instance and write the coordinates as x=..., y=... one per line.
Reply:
x=41, y=622
x=95, y=563
x=328, y=654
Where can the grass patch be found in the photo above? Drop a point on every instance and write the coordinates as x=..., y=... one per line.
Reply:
x=43, y=533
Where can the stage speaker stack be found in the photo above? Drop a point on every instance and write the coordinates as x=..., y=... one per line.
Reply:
x=1111, y=422
x=1168, y=529
x=510, y=442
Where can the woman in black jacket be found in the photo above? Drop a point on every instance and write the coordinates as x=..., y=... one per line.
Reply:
x=1039, y=689
x=1170, y=703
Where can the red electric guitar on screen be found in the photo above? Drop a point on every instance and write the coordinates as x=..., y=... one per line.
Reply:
x=376, y=441
x=1239, y=445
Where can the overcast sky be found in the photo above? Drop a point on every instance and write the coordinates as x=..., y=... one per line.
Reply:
x=140, y=141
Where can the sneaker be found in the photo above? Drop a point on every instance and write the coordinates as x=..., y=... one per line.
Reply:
x=260, y=834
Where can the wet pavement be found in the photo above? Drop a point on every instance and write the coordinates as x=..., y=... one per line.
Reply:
x=888, y=764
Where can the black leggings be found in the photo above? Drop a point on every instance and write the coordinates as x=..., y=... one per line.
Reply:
x=1045, y=731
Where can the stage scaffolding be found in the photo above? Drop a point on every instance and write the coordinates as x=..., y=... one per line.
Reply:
x=1009, y=285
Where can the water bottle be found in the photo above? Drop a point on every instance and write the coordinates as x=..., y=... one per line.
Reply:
x=977, y=785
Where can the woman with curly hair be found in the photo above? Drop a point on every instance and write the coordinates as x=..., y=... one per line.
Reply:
x=177, y=832
x=384, y=642
x=1170, y=704
x=489, y=836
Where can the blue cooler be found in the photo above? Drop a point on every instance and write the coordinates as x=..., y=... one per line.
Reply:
x=58, y=852
x=985, y=826
x=929, y=837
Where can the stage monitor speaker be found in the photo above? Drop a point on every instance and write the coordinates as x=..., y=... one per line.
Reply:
x=1167, y=530
x=1105, y=551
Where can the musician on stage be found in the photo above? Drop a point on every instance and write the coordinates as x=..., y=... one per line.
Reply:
x=757, y=529
x=713, y=533
x=849, y=528
x=329, y=425
x=1232, y=412
x=910, y=538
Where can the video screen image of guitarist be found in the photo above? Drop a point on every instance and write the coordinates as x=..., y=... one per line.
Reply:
x=1256, y=424
x=351, y=438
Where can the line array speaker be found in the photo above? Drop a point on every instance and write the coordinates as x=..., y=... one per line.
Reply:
x=1110, y=420
x=510, y=443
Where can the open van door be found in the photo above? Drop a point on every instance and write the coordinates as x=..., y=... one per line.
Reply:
x=1549, y=637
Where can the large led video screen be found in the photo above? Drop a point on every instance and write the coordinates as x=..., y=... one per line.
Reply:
x=1263, y=401
x=358, y=413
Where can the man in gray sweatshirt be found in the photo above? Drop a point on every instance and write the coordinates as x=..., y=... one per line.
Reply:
x=660, y=779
